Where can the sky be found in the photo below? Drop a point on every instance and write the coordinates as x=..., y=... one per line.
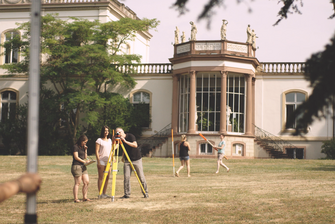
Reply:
x=294, y=40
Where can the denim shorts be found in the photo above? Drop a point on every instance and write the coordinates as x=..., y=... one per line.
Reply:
x=184, y=158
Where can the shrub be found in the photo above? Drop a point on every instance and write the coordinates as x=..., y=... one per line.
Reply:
x=328, y=148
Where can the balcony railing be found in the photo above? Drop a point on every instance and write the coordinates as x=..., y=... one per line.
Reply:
x=146, y=68
x=282, y=67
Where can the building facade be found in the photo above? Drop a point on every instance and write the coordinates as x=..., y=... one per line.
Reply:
x=210, y=87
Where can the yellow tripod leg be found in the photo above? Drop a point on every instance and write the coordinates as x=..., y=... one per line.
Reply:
x=114, y=172
x=106, y=171
x=133, y=168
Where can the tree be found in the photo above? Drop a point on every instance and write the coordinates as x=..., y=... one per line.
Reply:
x=320, y=72
x=289, y=6
x=328, y=148
x=79, y=59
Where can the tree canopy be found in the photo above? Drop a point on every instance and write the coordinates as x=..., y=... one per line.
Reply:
x=78, y=64
x=289, y=7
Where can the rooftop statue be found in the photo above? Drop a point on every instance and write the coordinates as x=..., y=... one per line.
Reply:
x=224, y=29
x=176, y=36
x=253, y=38
x=249, y=35
x=183, y=37
x=193, y=31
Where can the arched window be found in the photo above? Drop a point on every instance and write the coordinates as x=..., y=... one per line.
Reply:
x=141, y=101
x=8, y=105
x=291, y=100
x=11, y=53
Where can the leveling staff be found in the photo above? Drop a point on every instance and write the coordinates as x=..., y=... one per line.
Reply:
x=134, y=153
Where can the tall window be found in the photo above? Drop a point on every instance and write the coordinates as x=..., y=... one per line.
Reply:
x=8, y=105
x=235, y=103
x=141, y=101
x=208, y=97
x=11, y=53
x=184, y=97
x=292, y=101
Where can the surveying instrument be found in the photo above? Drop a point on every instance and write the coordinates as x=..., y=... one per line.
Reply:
x=114, y=160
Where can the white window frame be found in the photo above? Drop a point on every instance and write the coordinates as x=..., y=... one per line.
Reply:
x=295, y=104
x=9, y=101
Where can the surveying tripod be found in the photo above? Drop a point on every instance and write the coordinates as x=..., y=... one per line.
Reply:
x=113, y=158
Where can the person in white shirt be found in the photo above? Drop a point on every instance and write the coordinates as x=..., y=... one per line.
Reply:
x=103, y=147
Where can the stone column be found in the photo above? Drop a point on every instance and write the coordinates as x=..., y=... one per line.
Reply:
x=192, y=110
x=253, y=104
x=223, y=107
x=175, y=94
x=249, y=108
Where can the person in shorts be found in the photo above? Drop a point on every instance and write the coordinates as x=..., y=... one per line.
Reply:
x=221, y=153
x=103, y=146
x=184, y=148
x=78, y=168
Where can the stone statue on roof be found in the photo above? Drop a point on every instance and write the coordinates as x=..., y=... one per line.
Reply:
x=193, y=31
x=176, y=36
x=224, y=29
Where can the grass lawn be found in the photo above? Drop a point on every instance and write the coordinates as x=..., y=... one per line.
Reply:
x=254, y=191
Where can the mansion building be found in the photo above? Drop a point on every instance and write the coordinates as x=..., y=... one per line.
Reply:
x=210, y=87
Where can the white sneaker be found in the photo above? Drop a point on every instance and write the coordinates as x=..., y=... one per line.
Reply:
x=107, y=196
x=102, y=196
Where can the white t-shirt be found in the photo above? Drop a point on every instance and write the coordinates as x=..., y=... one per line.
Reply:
x=105, y=149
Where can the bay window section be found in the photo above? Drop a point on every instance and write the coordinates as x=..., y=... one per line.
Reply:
x=236, y=89
x=184, y=98
x=208, y=101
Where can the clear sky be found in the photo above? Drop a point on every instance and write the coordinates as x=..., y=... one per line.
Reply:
x=293, y=40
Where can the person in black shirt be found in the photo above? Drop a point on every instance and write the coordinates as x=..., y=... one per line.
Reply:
x=184, y=147
x=78, y=169
x=134, y=153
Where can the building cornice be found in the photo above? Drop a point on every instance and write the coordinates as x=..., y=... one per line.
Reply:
x=115, y=7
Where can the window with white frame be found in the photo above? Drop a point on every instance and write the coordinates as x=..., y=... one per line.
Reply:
x=208, y=98
x=184, y=97
x=11, y=53
x=236, y=90
x=292, y=101
x=8, y=105
x=205, y=149
x=141, y=101
x=238, y=149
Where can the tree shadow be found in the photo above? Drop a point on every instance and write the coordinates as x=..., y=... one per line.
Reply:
x=55, y=201
x=322, y=168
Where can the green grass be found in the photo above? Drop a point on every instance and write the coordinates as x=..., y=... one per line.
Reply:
x=254, y=191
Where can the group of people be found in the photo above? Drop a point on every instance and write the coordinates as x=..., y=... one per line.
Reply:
x=103, y=147
x=30, y=182
x=184, y=148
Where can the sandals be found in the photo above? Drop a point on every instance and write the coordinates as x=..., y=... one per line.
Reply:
x=77, y=201
x=177, y=174
x=86, y=199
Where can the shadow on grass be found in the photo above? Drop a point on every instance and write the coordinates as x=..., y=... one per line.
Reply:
x=55, y=201
x=322, y=168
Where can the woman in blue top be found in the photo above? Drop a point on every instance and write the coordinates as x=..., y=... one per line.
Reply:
x=221, y=153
